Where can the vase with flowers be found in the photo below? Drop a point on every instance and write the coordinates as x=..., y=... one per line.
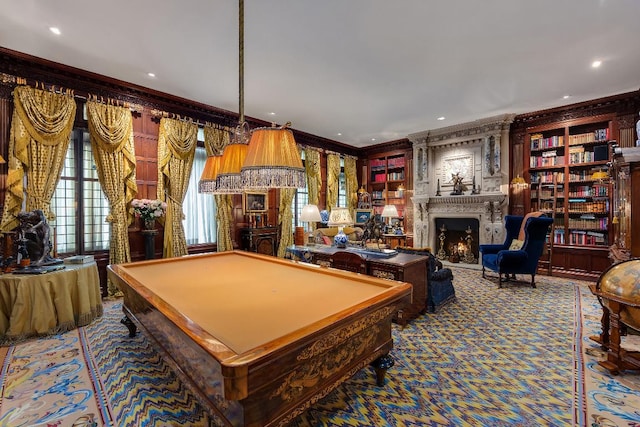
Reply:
x=148, y=211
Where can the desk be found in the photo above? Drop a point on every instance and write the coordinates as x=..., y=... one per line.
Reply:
x=41, y=304
x=247, y=332
x=401, y=266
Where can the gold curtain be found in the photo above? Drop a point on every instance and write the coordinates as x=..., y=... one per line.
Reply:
x=285, y=219
x=176, y=148
x=224, y=209
x=333, y=176
x=351, y=181
x=312, y=169
x=214, y=142
x=111, y=134
x=41, y=124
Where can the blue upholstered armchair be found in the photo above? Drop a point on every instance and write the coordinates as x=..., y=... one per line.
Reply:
x=518, y=261
x=512, y=224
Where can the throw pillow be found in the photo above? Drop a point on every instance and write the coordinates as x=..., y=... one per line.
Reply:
x=516, y=245
x=326, y=240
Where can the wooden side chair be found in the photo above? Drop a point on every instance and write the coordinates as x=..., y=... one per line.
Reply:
x=349, y=261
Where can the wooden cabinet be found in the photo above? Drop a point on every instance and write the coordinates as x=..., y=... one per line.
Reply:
x=626, y=204
x=263, y=240
x=388, y=175
x=565, y=159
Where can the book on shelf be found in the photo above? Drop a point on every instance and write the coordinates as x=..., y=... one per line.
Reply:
x=79, y=259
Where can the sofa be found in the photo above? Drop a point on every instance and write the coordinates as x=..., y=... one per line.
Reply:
x=440, y=290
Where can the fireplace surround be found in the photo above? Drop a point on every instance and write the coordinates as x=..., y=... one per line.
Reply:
x=460, y=172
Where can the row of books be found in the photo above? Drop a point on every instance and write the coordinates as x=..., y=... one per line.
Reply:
x=392, y=176
x=538, y=142
x=579, y=237
x=391, y=163
x=391, y=194
x=581, y=157
x=546, y=177
x=589, y=223
x=543, y=161
x=589, y=191
x=585, y=138
x=584, y=206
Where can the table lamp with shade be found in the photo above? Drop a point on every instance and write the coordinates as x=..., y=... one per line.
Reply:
x=310, y=213
x=340, y=217
x=389, y=211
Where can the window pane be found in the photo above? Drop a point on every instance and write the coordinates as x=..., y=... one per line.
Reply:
x=199, y=209
x=64, y=205
x=96, y=205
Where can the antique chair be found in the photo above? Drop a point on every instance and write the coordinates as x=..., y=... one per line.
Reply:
x=524, y=260
x=349, y=261
x=440, y=290
x=512, y=225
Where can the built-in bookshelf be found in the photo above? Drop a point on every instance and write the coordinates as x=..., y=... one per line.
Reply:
x=568, y=180
x=387, y=181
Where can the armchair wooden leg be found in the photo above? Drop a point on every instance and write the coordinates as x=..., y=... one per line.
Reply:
x=499, y=280
x=533, y=280
x=483, y=276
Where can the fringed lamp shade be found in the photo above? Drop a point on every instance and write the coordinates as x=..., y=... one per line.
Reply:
x=229, y=180
x=273, y=160
x=207, y=183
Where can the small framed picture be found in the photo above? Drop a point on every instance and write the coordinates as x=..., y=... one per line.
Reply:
x=362, y=216
x=255, y=202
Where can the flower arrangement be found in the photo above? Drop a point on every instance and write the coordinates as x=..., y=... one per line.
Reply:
x=148, y=210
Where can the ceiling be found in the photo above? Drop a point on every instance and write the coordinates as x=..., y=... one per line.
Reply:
x=360, y=72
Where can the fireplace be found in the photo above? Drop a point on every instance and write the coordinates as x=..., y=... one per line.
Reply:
x=461, y=181
x=457, y=240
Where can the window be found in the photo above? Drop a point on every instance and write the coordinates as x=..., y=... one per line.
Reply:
x=199, y=209
x=74, y=233
x=342, y=186
x=299, y=201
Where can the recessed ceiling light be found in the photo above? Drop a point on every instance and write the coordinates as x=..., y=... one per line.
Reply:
x=373, y=139
x=566, y=97
x=151, y=74
x=272, y=113
x=596, y=64
x=339, y=133
x=55, y=30
x=441, y=118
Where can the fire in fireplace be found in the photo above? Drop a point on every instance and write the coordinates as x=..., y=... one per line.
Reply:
x=457, y=239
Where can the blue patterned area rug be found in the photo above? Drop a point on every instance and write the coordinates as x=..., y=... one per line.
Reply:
x=496, y=357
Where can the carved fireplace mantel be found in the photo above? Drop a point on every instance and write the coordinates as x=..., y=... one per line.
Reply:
x=478, y=153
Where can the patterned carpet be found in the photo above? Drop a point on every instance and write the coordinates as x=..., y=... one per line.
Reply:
x=496, y=357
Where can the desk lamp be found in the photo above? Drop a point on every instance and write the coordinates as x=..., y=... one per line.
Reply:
x=310, y=213
x=340, y=217
x=389, y=211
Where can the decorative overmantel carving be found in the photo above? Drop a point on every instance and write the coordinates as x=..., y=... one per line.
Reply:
x=464, y=133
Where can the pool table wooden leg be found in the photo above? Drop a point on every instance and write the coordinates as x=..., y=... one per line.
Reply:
x=130, y=325
x=381, y=364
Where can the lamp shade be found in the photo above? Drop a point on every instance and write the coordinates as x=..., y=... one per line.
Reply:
x=599, y=175
x=273, y=160
x=340, y=217
x=207, y=183
x=389, y=211
x=310, y=213
x=229, y=180
x=518, y=181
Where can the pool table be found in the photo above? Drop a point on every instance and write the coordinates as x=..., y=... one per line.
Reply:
x=260, y=339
